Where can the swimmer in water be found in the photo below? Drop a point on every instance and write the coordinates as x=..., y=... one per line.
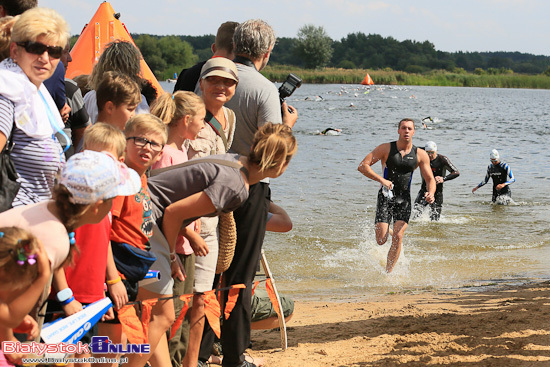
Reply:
x=502, y=177
x=330, y=131
x=424, y=120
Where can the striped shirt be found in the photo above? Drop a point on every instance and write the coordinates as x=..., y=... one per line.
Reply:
x=37, y=161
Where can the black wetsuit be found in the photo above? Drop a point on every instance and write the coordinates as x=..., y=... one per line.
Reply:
x=439, y=166
x=399, y=171
x=328, y=129
x=500, y=173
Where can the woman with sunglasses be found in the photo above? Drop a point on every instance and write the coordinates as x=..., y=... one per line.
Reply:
x=29, y=117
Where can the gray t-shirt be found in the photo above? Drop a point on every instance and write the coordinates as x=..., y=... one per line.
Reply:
x=256, y=101
x=224, y=186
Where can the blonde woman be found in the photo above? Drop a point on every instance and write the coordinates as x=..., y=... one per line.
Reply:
x=207, y=188
x=27, y=111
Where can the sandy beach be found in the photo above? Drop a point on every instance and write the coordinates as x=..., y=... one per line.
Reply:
x=502, y=326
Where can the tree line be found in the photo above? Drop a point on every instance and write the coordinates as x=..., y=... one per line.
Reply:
x=313, y=49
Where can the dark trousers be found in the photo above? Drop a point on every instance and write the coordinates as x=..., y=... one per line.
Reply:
x=251, y=219
x=179, y=343
x=208, y=335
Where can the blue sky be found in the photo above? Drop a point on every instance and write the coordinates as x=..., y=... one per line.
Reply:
x=451, y=25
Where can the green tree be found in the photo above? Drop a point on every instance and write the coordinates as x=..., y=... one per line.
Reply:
x=175, y=51
x=313, y=46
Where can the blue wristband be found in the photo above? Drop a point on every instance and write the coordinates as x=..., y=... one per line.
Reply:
x=64, y=294
x=66, y=302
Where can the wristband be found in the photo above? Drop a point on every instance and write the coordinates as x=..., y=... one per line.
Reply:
x=113, y=281
x=173, y=257
x=64, y=294
x=66, y=302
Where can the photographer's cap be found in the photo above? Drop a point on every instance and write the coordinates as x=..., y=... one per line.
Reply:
x=494, y=155
x=220, y=66
x=430, y=147
x=91, y=176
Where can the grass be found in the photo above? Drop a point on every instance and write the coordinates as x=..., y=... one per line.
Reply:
x=278, y=73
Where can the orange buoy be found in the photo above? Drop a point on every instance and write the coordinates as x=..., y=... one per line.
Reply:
x=367, y=80
x=104, y=27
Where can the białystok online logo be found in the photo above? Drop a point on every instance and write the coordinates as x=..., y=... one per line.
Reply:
x=99, y=345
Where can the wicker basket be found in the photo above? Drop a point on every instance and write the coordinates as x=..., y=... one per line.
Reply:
x=227, y=241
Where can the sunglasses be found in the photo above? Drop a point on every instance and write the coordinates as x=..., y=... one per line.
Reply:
x=37, y=48
x=220, y=80
x=142, y=142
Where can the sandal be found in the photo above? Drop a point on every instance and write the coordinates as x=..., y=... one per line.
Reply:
x=256, y=362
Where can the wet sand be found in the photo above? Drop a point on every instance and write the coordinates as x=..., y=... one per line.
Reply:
x=504, y=326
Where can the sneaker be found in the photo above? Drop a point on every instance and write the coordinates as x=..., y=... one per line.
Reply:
x=247, y=364
x=202, y=364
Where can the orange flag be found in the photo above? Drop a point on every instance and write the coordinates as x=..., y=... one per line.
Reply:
x=255, y=285
x=175, y=326
x=147, y=305
x=212, y=311
x=232, y=298
x=272, y=296
x=131, y=325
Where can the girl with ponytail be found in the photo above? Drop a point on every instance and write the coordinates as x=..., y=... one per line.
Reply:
x=183, y=113
x=25, y=271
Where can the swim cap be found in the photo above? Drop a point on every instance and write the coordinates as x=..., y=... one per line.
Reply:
x=430, y=147
x=494, y=155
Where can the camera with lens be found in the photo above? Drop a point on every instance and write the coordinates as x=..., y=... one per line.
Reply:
x=288, y=87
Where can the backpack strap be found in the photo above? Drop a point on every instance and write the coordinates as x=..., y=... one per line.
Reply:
x=202, y=160
x=215, y=124
x=9, y=142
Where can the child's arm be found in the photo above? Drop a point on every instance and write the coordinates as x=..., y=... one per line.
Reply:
x=28, y=326
x=13, y=313
x=60, y=283
x=117, y=290
x=196, y=241
x=279, y=221
x=194, y=206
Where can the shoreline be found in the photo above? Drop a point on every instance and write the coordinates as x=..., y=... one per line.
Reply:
x=504, y=325
x=478, y=285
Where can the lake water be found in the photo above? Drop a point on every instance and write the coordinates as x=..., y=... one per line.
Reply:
x=332, y=249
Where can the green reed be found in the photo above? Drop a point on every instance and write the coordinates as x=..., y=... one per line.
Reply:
x=278, y=73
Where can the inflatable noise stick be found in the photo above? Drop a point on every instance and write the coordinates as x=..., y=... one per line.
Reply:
x=71, y=329
x=151, y=277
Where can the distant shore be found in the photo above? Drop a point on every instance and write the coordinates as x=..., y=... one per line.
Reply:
x=504, y=326
x=440, y=78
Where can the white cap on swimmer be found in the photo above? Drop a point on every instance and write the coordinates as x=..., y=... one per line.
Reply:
x=494, y=155
x=430, y=147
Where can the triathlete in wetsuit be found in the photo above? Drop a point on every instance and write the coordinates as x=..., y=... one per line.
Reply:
x=328, y=129
x=399, y=159
x=440, y=164
x=502, y=176
x=398, y=170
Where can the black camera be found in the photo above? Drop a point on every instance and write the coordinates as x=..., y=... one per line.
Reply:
x=288, y=87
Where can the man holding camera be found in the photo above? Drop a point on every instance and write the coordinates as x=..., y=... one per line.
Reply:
x=256, y=101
